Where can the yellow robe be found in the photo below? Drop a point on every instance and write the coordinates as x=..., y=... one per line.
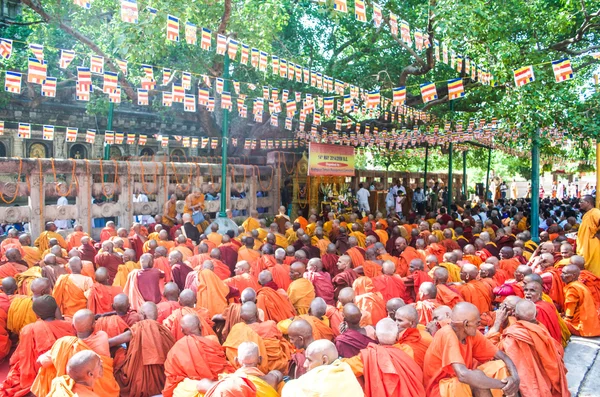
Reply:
x=588, y=245
x=328, y=227
x=42, y=241
x=250, y=224
x=301, y=293
x=123, y=271
x=361, y=238
x=336, y=379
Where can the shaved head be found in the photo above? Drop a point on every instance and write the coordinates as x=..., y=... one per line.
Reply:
x=386, y=331
x=525, y=310
x=427, y=290
x=149, y=311
x=320, y=352
x=352, y=314
x=83, y=322
x=190, y=325
x=187, y=298
x=300, y=333
x=392, y=305
x=406, y=317
x=346, y=295
x=248, y=295
x=85, y=367
x=318, y=307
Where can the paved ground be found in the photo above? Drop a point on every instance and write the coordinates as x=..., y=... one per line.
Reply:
x=582, y=360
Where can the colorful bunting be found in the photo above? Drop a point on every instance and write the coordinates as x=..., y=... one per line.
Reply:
x=36, y=71
x=205, y=41
x=562, y=70
x=524, y=75
x=24, y=131
x=129, y=11
x=49, y=87
x=71, y=134
x=48, y=132
x=428, y=92
x=90, y=136
x=399, y=96
x=189, y=104
x=455, y=89
x=38, y=51
x=6, y=48
x=360, y=12
x=172, y=28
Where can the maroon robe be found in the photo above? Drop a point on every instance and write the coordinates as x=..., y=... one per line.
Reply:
x=351, y=342
x=343, y=280
x=137, y=244
x=87, y=252
x=330, y=264
x=229, y=256
x=323, y=285
x=111, y=262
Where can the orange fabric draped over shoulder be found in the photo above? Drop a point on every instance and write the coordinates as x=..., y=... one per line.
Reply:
x=113, y=325
x=221, y=269
x=509, y=265
x=194, y=357
x=425, y=309
x=212, y=292
x=371, y=269
x=478, y=293
x=580, y=311
x=418, y=341
x=242, y=332
x=446, y=296
x=357, y=256
x=173, y=322
x=69, y=297
x=320, y=329
x=276, y=306
x=101, y=297
x=279, y=350
x=243, y=281
x=20, y=314
x=390, y=286
x=405, y=258
x=591, y=281
x=301, y=293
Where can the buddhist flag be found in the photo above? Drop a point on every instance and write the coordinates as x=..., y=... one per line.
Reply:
x=340, y=5
x=221, y=44
x=114, y=95
x=48, y=132
x=205, y=41
x=90, y=136
x=1, y=127
x=377, y=15
x=262, y=62
x=399, y=96
x=6, y=48
x=418, y=40
x=38, y=51
x=142, y=140
x=290, y=108
x=232, y=48
x=87, y=4
x=405, y=32
x=110, y=82
x=130, y=139
x=428, y=92
x=373, y=99
x=172, y=28
x=129, y=11
x=524, y=75
x=455, y=89
x=84, y=79
x=245, y=54
x=254, y=57
x=226, y=101
x=359, y=10
x=109, y=137
x=97, y=64
x=214, y=143
x=562, y=70
x=288, y=123
x=148, y=83
x=119, y=136
x=71, y=135
x=49, y=87
x=191, y=33
x=24, y=131
x=66, y=57
x=166, y=76
x=37, y=70
x=148, y=71
x=167, y=98
x=393, y=23
x=186, y=141
x=178, y=93
x=203, y=95
x=142, y=97
x=186, y=80
x=328, y=105
x=236, y=86
x=123, y=66
x=189, y=103
x=12, y=82
x=82, y=91
x=204, y=143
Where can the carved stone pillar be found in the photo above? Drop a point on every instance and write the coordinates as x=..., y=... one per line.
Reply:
x=252, y=200
x=37, y=203
x=275, y=192
x=83, y=202
x=163, y=183
x=125, y=201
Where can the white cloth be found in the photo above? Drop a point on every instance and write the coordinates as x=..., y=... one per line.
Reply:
x=62, y=224
x=363, y=199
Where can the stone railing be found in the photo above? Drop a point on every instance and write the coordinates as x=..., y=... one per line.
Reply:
x=30, y=188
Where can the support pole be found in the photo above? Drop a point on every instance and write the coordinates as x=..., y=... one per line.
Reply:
x=425, y=173
x=449, y=193
x=224, y=141
x=464, y=179
x=597, y=172
x=535, y=186
x=109, y=123
x=487, y=178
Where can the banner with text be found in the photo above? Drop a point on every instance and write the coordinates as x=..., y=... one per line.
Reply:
x=330, y=160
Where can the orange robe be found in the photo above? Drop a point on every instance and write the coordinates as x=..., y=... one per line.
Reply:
x=281, y=276
x=142, y=371
x=301, y=293
x=580, y=310
x=373, y=304
x=165, y=309
x=320, y=329
x=473, y=259
x=198, y=260
x=418, y=341
x=357, y=255
x=557, y=286
x=478, y=293
x=11, y=269
x=302, y=221
x=221, y=269
x=20, y=313
x=538, y=358
x=74, y=240
x=34, y=340
x=113, y=325
x=383, y=236
x=591, y=281
x=509, y=265
x=249, y=255
x=194, y=357
x=243, y=281
x=390, y=286
x=69, y=297
x=101, y=297
x=8, y=243
x=64, y=386
x=107, y=233
x=404, y=260
x=276, y=306
x=425, y=309
x=173, y=322
x=371, y=269
x=436, y=249
x=211, y=292
x=445, y=296
x=32, y=255
x=122, y=273
x=185, y=251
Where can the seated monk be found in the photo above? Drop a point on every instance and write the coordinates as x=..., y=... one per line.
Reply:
x=546, y=311
x=325, y=375
x=20, y=312
x=320, y=241
x=434, y=248
x=513, y=286
x=143, y=285
x=108, y=259
x=330, y=260
x=281, y=274
x=187, y=302
x=193, y=358
x=272, y=300
x=252, y=222
x=221, y=269
x=371, y=266
x=447, y=294
x=301, y=291
x=212, y=293
x=300, y=334
x=14, y=264
x=587, y=278
x=452, y=370
x=469, y=255
x=141, y=372
x=390, y=284
x=274, y=348
x=368, y=300
x=566, y=252
x=416, y=276
x=108, y=231
x=354, y=337
x=71, y=290
x=232, y=314
x=580, y=312
x=487, y=271
x=35, y=339
x=360, y=237
x=387, y=369
x=440, y=318
x=123, y=310
x=86, y=250
x=179, y=269
x=407, y=320
x=161, y=262
x=553, y=283
x=51, y=269
x=475, y=291
x=83, y=369
x=248, y=253
x=406, y=254
x=508, y=262
x=427, y=302
x=317, y=318
x=54, y=362
x=101, y=293
x=11, y=241
x=500, y=319
x=87, y=267
x=242, y=279
x=43, y=241
x=183, y=247
x=345, y=277
x=321, y=280
x=355, y=252
x=449, y=263
x=448, y=242
x=31, y=255
x=169, y=302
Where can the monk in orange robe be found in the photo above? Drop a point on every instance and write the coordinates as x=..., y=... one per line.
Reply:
x=406, y=256
x=108, y=231
x=13, y=265
x=71, y=290
x=281, y=276
x=447, y=295
x=546, y=311
x=508, y=262
x=275, y=350
x=371, y=266
x=581, y=314
x=459, y=349
x=11, y=241
x=193, y=357
x=357, y=254
x=271, y=301
x=389, y=284
x=74, y=239
x=43, y=240
x=434, y=248
x=487, y=271
x=21, y=311
x=54, y=362
x=553, y=284
x=83, y=369
x=537, y=357
x=469, y=255
x=221, y=269
x=142, y=371
x=113, y=325
x=211, y=291
x=427, y=302
x=187, y=302
x=101, y=294
x=369, y=301
x=183, y=247
x=31, y=255
x=301, y=220
x=475, y=291
x=301, y=291
x=242, y=279
x=587, y=278
x=248, y=253
x=34, y=340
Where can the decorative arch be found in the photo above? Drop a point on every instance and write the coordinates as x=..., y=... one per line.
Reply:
x=78, y=151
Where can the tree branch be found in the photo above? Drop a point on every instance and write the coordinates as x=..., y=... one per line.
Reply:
x=23, y=23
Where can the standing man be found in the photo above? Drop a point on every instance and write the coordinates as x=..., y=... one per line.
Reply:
x=363, y=198
x=588, y=237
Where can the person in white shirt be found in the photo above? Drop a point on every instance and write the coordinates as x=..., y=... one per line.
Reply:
x=390, y=200
x=143, y=219
x=363, y=198
x=62, y=224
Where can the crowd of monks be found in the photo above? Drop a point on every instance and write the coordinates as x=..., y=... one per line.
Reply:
x=328, y=305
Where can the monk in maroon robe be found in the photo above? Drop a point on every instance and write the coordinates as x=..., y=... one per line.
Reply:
x=354, y=338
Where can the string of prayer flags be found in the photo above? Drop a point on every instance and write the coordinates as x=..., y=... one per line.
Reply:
x=167, y=99
x=226, y=101
x=455, y=89
x=142, y=97
x=178, y=93
x=114, y=95
x=129, y=11
x=36, y=71
x=6, y=46
x=87, y=4
x=130, y=139
x=38, y=51
x=191, y=33
x=166, y=76
x=24, y=131
x=109, y=137
x=524, y=75
x=399, y=96
x=97, y=64
x=172, y=28
x=110, y=82
x=562, y=70
x=373, y=99
x=123, y=66
x=205, y=41
x=340, y=5
x=90, y=136
x=142, y=140
x=48, y=132
x=232, y=47
x=393, y=24
x=428, y=92
x=360, y=11
x=377, y=15
x=119, y=136
x=186, y=80
x=49, y=87
x=71, y=134
x=189, y=104
x=221, y=44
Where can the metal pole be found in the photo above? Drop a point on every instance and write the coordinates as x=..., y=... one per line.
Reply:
x=464, y=182
x=535, y=186
x=425, y=173
x=487, y=178
x=449, y=193
x=109, y=123
x=224, y=141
